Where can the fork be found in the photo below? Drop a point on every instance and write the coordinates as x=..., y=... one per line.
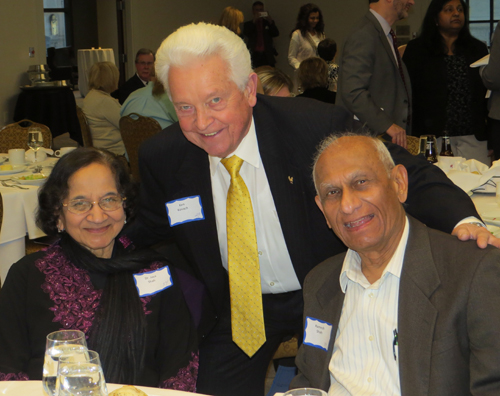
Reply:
x=14, y=185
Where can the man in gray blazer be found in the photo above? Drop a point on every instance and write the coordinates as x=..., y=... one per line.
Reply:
x=407, y=310
x=373, y=82
x=491, y=80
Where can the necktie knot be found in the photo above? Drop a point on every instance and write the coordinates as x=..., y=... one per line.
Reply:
x=233, y=165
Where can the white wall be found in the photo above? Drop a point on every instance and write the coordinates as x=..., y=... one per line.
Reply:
x=21, y=27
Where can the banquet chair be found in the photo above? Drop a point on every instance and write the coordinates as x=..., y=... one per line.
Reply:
x=84, y=126
x=16, y=135
x=412, y=144
x=135, y=129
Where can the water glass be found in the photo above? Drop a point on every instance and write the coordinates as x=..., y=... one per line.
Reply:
x=306, y=392
x=63, y=342
x=81, y=375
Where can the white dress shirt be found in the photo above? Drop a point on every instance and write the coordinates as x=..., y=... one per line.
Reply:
x=277, y=274
x=364, y=359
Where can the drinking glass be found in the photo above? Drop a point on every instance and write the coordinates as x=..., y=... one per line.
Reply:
x=81, y=375
x=63, y=342
x=305, y=392
x=35, y=139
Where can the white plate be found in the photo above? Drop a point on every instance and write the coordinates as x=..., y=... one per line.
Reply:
x=17, y=169
x=34, y=388
x=35, y=182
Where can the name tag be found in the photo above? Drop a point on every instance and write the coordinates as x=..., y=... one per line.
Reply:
x=152, y=282
x=317, y=333
x=184, y=210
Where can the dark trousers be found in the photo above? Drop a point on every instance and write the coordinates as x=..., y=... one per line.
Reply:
x=225, y=370
x=494, y=136
x=260, y=59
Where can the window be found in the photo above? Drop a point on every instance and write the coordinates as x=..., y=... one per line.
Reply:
x=483, y=18
x=56, y=21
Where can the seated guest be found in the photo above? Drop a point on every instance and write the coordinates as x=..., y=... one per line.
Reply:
x=151, y=101
x=144, y=62
x=327, y=49
x=85, y=281
x=313, y=78
x=232, y=18
x=274, y=82
x=408, y=310
x=101, y=110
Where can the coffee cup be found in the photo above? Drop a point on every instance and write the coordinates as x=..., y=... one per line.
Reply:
x=63, y=150
x=16, y=156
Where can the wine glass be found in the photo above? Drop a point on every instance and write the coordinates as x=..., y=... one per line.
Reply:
x=81, y=375
x=305, y=392
x=35, y=139
x=63, y=342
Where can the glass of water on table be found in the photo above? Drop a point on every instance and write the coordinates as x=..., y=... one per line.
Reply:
x=81, y=374
x=63, y=342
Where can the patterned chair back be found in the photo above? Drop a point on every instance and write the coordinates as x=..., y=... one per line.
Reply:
x=84, y=126
x=135, y=129
x=16, y=135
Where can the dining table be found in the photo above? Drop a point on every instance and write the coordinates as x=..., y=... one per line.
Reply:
x=20, y=203
x=35, y=388
x=86, y=58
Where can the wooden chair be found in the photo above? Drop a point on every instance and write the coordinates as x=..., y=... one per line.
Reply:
x=84, y=126
x=412, y=144
x=16, y=135
x=135, y=129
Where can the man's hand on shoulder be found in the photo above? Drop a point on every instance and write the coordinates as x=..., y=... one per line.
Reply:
x=468, y=231
x=398, y=135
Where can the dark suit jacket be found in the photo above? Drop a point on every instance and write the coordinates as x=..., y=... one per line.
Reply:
x=131, y=85
x=448, y=317
x=270, y=31
x=319, y=93
x=288, y=131
x=430, y=88
x=369, y=79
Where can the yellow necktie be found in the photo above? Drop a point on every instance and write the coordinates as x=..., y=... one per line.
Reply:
x=247, y=319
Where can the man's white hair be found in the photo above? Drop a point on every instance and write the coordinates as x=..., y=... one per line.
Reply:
x=382, y=151
x=202, y=40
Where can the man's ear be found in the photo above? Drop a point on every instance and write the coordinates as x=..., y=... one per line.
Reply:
x=251, y=89
x=399, y=176
x=320, y=206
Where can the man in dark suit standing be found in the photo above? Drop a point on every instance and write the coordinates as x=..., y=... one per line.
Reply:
x=144, y=61
x=373, y=82
x=230, y=184
x=408, y=310
x=258, y=34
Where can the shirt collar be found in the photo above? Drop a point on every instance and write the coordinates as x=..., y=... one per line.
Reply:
x=385, y=25
x=248, y=151
x=351, y=269
x=144, y=82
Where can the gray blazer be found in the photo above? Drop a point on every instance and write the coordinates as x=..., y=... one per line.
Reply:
x=448, y=317
x=369, y=79
x=491, y=76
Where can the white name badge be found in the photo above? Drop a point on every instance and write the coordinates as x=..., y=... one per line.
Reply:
x=317, y=333
x=184, y=210
x=152, y=282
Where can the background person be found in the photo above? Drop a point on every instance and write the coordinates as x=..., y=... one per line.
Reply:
x=327, y=50
x=144, y=62
x=101, y=110
x=259, y=34
x=232, y=18
x=275, y=82
x=313, y=78
x=448, y=95
x=85, y=281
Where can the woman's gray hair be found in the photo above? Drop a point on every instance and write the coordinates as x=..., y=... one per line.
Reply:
x=382, y=151
x=202, y=40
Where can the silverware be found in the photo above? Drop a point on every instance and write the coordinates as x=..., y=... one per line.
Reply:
x=14, y=185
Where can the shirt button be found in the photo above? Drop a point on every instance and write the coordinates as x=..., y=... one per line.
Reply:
x=370, y=338
x=369, y=379
x=260, y=253
x=370, y=295
x=271, y=284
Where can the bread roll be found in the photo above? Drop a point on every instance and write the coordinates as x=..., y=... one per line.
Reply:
x=128, y=390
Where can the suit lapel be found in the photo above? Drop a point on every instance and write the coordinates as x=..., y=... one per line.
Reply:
x=416, y=315
x=383, y=39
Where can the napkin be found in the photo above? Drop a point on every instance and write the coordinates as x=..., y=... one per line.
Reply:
x=41, y=155
x=472, y=175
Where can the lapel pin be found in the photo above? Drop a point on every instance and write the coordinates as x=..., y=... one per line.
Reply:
x=290, y=179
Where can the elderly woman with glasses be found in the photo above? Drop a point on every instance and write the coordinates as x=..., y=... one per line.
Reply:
x=91, y=280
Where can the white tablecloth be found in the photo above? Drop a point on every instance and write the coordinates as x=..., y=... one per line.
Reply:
x=19, y=208
x=34, y=388
x=86, y=58
x=489, y=210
